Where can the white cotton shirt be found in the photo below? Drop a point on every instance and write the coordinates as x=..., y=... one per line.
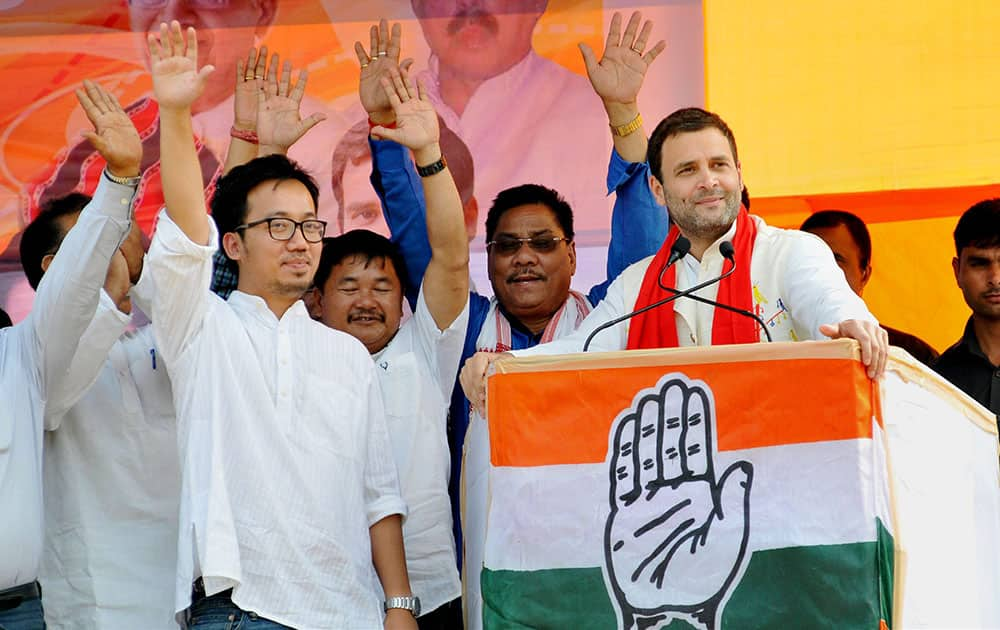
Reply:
x=112, y=486
x=417, y=371
x=285, y=457
x=797, y=287
x=34, y=355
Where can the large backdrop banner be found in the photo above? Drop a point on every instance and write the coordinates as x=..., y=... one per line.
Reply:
x=533, y=119
x=735, y=487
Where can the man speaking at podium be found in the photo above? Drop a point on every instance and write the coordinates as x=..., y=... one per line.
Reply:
x=747, y=281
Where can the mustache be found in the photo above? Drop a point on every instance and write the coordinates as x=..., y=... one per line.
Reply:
x=358, y=313
x=715, y=192
x=473, y=16
x=525, y=274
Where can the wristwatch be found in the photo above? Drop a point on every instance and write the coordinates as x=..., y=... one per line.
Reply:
x=123, y=181
x=411, y=603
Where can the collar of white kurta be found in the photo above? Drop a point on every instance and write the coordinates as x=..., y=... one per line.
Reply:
x=246, y=304
x=495, y=335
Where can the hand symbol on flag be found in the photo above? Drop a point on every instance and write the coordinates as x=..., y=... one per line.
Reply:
x=677, y=535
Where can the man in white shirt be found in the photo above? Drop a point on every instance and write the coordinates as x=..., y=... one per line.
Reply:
x=34, y=356
x=289, y=504
x=789, y=278
x=112, y=480
x=359, y=291
x=509, y=104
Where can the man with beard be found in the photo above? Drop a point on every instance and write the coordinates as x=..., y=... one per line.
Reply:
x=289, y=506
x=529, y=228
x=483, y=72
x=787, y=277
x=973, y=363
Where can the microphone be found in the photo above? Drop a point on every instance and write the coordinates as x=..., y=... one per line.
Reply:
x=729, y=253
x=678, y=246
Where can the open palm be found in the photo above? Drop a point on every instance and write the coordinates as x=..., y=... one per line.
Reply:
x=177, y=81
x=416, y=119
x=618, y=76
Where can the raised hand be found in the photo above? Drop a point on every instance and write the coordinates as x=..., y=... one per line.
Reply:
x=381, y=59
x=250, y=76
x=416, y=120
x=177, y=80
x=618, y=76
x=279, y=122
x=677, y=535
x=114, y=136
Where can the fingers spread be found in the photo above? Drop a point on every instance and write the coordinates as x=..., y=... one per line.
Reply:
x=359, y=50
x=614, y=31
x=654, y=52
x=640, y=43
x=630, y=30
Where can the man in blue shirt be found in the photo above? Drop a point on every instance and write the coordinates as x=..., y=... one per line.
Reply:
x=529, y=228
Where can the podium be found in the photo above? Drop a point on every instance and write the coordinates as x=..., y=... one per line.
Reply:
x=751, y=486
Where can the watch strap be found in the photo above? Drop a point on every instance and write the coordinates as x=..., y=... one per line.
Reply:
x=432, y=169
x=628, y=128
x=123, y=181
x=410, y=603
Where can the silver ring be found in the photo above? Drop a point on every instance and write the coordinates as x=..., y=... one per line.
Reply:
x=638, y=50
x=382, y=53
x=365, y=65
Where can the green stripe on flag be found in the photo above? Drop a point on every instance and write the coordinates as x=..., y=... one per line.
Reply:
x=830, y=586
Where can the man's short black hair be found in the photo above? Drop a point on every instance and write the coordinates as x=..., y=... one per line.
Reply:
x=855, y=226
x=229, y=203
x=526, y=195
x=45, y=234
x=364, y=243
x=979, y=226
x=5, y=319
x=686, y=120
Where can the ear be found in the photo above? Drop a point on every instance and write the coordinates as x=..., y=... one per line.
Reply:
x=313, y=299
x=266, y=9
x=657, y=188
x=232, y=245
x=955, y=264
x=866, y=275
x=571, y=249
x=46, y=261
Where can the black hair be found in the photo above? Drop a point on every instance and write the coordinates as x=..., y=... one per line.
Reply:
x=46, y=232
x=526, y=195
x=229, y=203
x=687, y=120
x=364, y=243
x=979, y=226
x=855, y=227
x=5, y=319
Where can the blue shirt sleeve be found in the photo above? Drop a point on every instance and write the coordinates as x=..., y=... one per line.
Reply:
x=398, y=186
x=639, y=224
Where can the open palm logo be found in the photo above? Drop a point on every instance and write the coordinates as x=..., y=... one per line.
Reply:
x=677, y=534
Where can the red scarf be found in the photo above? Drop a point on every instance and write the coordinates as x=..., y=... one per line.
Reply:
x=657, y=328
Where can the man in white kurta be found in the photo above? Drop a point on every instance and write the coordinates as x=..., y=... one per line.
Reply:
x=33, y=356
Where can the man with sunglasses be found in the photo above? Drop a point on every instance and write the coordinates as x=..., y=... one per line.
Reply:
x=529, y=228
x=289, y=506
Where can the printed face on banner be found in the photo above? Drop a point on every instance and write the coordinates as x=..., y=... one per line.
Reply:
x=478, y=39
x=528, y=115
x=677, y=534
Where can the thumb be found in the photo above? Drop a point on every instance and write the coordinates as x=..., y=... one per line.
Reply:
x=384, y=133
x=405, y=64
x=831, y=330
x=310, y=122
x=734, y=492
x=589, y=58
x=95, y=141
x=204, y=73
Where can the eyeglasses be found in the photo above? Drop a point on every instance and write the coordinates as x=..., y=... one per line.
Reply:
x=211, y=5
x=282, y=229
x=507, y=245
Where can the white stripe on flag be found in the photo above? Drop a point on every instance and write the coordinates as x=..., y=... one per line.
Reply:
x=551, y=517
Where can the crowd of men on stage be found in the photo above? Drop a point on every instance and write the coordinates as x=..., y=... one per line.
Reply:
x=289, y=455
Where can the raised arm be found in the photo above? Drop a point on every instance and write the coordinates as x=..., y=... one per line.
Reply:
x=177, y=84
x=68, y=293
x=638, y=222
x=446, y=282
x=393, y=176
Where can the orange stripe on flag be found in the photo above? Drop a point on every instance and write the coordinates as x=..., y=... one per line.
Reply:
x=563, y=417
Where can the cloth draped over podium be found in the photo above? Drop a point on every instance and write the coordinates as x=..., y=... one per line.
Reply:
x=752, y=486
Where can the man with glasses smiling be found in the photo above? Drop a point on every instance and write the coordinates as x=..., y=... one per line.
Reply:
x=289, y=505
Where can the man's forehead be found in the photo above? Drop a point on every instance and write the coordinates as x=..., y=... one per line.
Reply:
x=689, y=146
x=989, y=253
x=529, y=219
x=280, y=198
